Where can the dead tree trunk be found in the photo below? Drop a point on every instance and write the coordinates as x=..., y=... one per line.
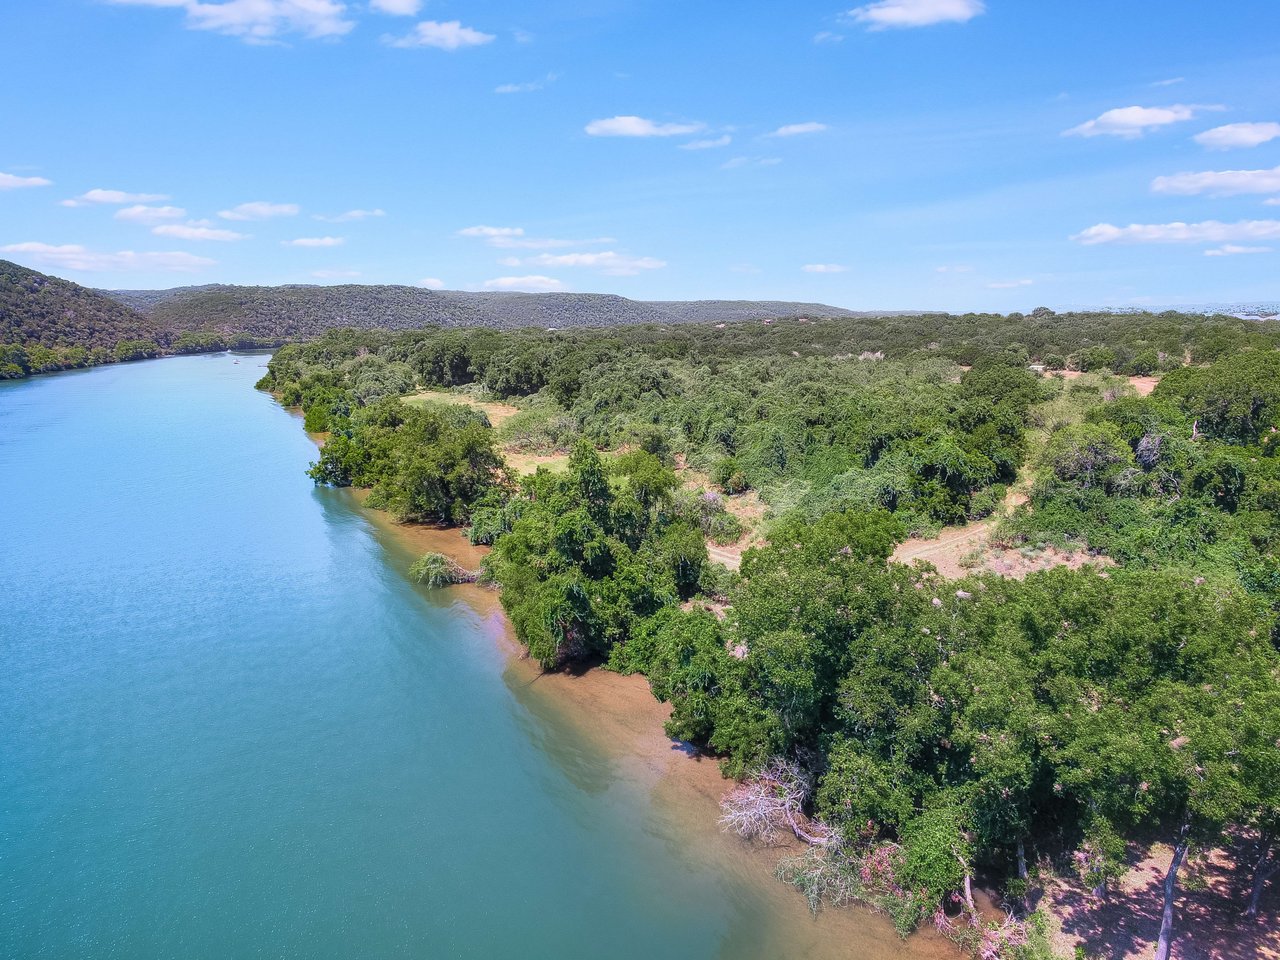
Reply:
x=1263, y=872
x=1165, y=943
x=968, y=889
x=1024, y=900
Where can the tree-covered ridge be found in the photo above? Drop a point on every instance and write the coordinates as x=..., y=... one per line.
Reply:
x=301, y=311
x=49, y=324
x=914, y=732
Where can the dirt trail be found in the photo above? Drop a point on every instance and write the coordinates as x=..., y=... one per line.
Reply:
x=945, y=551
x=730, y=556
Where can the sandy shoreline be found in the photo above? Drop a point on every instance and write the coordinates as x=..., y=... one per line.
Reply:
x=621, y=720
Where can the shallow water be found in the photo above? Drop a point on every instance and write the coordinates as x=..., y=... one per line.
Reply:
x=230, y=726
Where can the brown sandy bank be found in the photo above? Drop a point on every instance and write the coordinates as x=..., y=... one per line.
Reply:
x=621, y=724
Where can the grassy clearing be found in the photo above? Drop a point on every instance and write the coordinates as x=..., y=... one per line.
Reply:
x=498, y=413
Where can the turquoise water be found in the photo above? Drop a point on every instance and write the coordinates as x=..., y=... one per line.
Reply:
x=230, y=727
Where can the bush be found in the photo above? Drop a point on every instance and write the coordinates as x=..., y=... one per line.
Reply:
x=437, y=570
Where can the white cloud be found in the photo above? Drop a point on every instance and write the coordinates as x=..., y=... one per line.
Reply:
x=954, y=268
x=1221, y=183
x=710, y=143
x=1133, y=122
x=72, y=256
x=639, y=127
x=1272, y=202
x=397, y=8
x=543, y=243
x=351, y=215
x=1210, y=231
x=517, y=87
x=260, y=210
x=533, y=284
x=315, y=242
x=826, y=36
x=112, y=196
x=513, y=238
x=887, y=14
x=451, y=35
x=11, y=181
x=196, y=230
x=529, y=87
x=484, y=231
x=335, y=274
x=1236, y=135
x=140, y=213
x=260, y=21
x=738, y=162
x=824, y=268
x=796, y=129
x=1232, y=250
x=608, y=262
x=1009, y=284
x=431, y=283
x=1169, y=82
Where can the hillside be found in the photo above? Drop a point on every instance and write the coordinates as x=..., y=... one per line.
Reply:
x=295, y=312
x=49, y=324
x=299, y=312
x=39, y=309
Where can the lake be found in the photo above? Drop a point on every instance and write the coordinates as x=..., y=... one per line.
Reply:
x=231, y=727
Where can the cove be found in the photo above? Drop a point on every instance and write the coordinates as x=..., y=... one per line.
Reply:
x=231, y=727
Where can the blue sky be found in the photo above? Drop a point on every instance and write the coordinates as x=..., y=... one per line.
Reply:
x=951, y=154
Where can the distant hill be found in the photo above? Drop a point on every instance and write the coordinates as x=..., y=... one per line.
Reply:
x=41, y=310
x=51, y=324
x=299, y=311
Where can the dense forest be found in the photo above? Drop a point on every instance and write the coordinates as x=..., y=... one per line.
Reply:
x=48, y=324
x=918, y=734
x=301, y=311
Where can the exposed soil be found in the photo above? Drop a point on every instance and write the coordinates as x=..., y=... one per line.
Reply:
x=948, y=549
x=747, y=507
x=1208, y=925
x=961, y=551
x=1144, y=385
